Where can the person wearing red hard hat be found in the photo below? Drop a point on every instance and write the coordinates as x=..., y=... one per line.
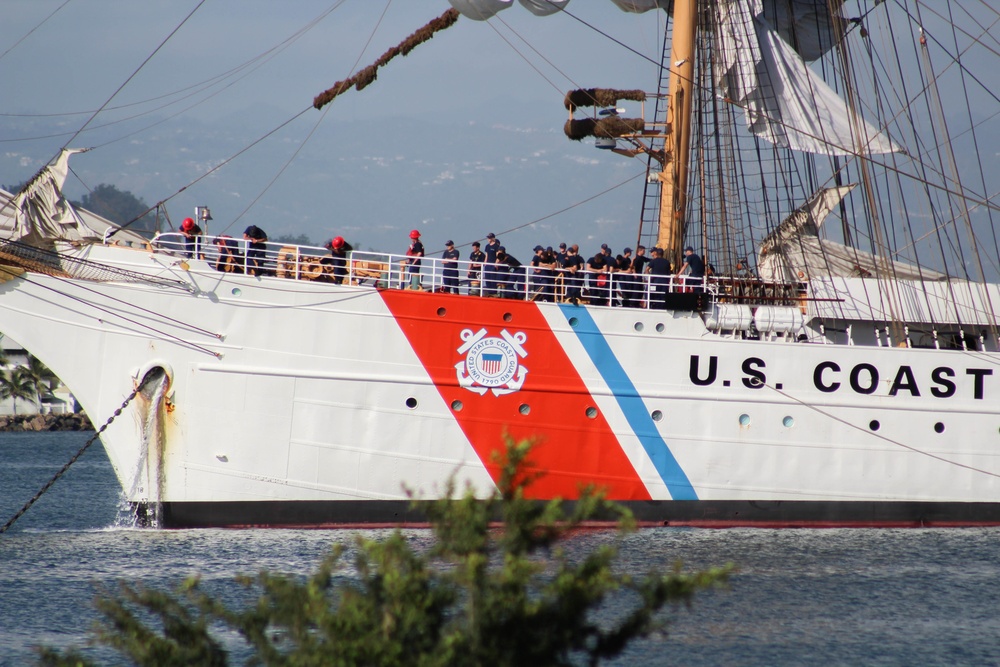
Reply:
x=338, y=248
x=413, y=254
x=191, y=232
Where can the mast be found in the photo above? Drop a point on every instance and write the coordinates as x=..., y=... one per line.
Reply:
x=673, y=179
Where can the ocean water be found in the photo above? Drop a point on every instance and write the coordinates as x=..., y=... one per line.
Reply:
x=801, y=597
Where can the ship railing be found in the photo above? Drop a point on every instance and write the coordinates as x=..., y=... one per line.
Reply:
x=431, y=274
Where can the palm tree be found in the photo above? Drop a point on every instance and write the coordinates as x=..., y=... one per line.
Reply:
x=43, y=380
x=16, y=384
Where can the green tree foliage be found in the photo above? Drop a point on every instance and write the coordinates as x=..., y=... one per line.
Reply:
x=43, y=381
x=14, y=189
x=301, y=239
x=16, y=384
x=477, y=596
x=119, y=206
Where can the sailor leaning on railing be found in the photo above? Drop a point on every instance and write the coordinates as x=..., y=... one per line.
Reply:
x=561, y=276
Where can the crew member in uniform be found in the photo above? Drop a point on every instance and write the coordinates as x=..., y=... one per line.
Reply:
x=476, y=257
x=450, y=268
x=192, y=234
x=695, y=267
x=256, y=247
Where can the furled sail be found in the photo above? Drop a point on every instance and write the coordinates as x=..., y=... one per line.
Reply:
x=794, y=252
x=41, y=212
x=785, y=102
x=481, y=10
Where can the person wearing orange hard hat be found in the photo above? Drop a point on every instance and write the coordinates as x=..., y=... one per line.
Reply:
x=191, y=232
x=412, y=261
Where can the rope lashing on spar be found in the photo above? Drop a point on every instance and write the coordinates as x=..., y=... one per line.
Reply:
x=154, y=374
x=367, y=76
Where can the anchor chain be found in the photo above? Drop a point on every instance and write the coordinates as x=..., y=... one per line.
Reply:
x=75, y=457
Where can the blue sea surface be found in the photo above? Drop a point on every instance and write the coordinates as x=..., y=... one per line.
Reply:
x=801, y=597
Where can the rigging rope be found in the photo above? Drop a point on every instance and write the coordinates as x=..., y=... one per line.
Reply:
x=810, y=406
x=152, y=374
x=30, y=32
x=368, y=75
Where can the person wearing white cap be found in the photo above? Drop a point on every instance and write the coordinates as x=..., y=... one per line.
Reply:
x=450, y=268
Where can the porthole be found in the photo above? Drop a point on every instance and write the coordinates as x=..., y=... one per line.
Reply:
x=788, y=422
x=442, y=312
x=939, y=427
x=638, y=326
x=744, y=420
x=659, y=327
x=507, y=317
x=411, y=402
x=237, y=291
x=592, y=412
x=457, y=406
x=524, y=408
x=874, y=425
x=573, y=321
x=656, y=415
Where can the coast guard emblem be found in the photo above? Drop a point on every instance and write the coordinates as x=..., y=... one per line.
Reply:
x=491, y=363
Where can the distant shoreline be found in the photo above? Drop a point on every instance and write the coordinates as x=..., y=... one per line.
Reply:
x=41, y=423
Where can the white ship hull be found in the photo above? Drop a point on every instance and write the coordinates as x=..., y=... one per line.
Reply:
x=300, y=403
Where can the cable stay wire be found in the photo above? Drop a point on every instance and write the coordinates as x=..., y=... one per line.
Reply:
x=204, y=84
x=131, y=76
x=29, y=33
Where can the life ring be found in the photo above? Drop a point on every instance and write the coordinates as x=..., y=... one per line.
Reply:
x=288, y=257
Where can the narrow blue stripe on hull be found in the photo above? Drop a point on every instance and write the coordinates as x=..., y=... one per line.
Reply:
x=631, y=404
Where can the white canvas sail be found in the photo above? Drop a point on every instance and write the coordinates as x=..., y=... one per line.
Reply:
x=794, y=252
x=481, y=10
x=42, y=213
x=785, y=102
x=804, y=24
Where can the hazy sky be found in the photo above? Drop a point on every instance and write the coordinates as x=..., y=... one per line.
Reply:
x=77, y=58
x=261, y=62
x=247, y=66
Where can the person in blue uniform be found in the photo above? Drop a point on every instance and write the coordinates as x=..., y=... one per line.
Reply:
x=625, y=278
x=549, y=266
x=450, y=268
x=695, y=267
x=491, y=282
x=511, y=275
x=192, y=236
x=256, y=248
x=639, y=264
x=537, y=284
x=598, y=277
x=572, y=270
x=229, y=259
x=659, y=270
x=475, y=274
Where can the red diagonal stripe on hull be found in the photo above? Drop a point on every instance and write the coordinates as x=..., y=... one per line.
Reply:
x=572, y=449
